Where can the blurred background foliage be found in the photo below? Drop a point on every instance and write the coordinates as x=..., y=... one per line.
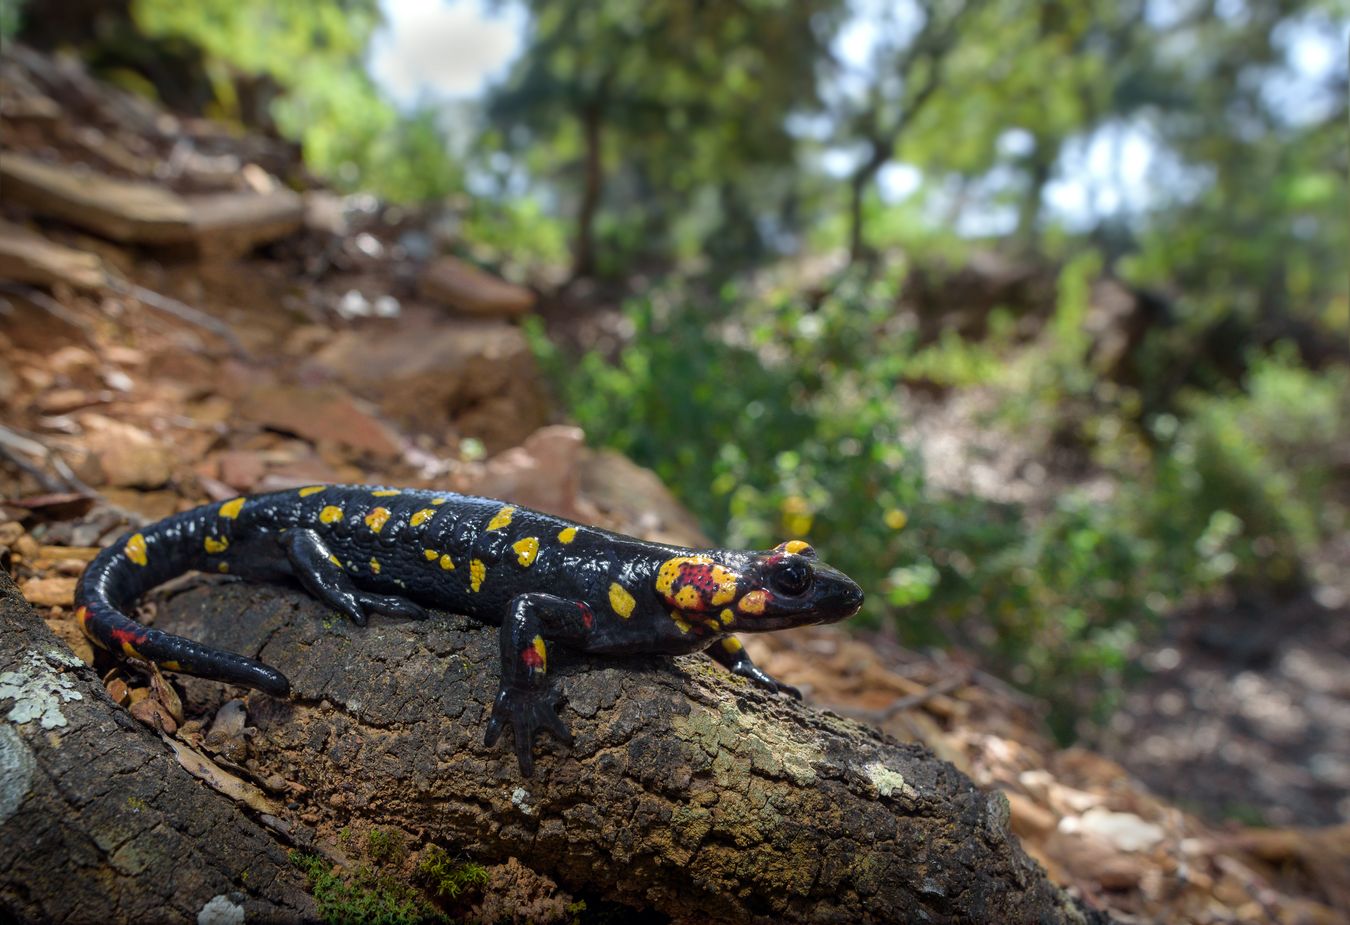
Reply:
x=780, y=200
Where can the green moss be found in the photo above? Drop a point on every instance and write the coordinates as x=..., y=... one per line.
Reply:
x=446, y=877
x=385, y=847
x=362, y=896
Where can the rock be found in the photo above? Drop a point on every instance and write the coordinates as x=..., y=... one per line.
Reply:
x=49, y=592
x=232, y=224
x=463, y=287
x=127, y=455
x=1029, y=819
x=321, y=414
x=477, y=373
x=541, y=473
x=134, y=212
x=28, y=257
x=126, y=211
x=241, y=469
x=1125, y=831
x=1120, y=873
x=635, y=497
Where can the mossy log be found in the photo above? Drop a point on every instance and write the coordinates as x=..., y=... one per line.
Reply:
x=98, y=822
x=687, y=792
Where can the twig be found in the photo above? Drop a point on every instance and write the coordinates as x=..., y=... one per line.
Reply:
x=46, y=303
x=13, y=444
x=911, y=701
x=183, y=312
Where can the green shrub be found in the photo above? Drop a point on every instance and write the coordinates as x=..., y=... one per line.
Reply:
x=776, y=416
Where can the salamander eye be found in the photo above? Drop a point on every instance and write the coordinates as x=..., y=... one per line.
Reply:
x=792, y=578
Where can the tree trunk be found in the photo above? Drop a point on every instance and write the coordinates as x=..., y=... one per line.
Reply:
x=687, y=791
x=98, y=822
x=858, y=185
x=583, y=253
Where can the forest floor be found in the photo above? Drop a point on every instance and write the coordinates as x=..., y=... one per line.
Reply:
x=176, y=374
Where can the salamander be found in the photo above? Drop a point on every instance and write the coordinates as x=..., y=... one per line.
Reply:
x=543, y=580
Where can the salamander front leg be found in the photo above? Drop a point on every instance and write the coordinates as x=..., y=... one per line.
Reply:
x=525, y=699
x=730, y=653
x=322, y=575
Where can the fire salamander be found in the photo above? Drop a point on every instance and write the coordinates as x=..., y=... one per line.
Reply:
x=543, y=580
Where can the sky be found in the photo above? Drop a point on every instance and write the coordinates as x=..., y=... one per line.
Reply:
x=436, y=51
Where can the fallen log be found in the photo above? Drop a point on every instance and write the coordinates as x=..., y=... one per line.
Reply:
x=687, y=792
x=98, y=822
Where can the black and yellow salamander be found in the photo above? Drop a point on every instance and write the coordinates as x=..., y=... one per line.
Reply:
x=544, y=580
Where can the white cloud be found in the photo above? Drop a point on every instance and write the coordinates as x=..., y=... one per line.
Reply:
x=444, y=49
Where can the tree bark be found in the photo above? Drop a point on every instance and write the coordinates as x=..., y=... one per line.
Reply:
x=583, y=254
x=859, y=183
x=98, y=822
x=687, y=791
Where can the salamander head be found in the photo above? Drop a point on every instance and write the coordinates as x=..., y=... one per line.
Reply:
x=750, y=592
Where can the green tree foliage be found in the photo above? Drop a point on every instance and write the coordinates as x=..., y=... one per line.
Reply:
x=315, y=51
x=812, y=440
x=648, y=113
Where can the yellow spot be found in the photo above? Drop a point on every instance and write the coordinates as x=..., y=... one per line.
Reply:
x=796, y=547
x=477, y=572
x=449, y=564
x=330, y=514
x=230, y=509
x=542, y=651
x=385, y=493
x=334, y=559
x=439, y=501
x=214, y=545
x=526, y=550
x=223, y=567
x=567, y=535
x=422, y=516
x=732, y=644
x=726, y=586
x=712, y=625
x=896, y=519
x=311, y=490
x=688, y=598
x=728, y=617
x=135, y=549
x=171, y=665
x=430, y=554
x=375, y=520
x=130, y=650
x=502, y=519
x=621, y=600
x=679, y=621
x=375, y=565
x=753, y=602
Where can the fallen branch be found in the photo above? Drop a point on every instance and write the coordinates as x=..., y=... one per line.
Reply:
x=687, y=791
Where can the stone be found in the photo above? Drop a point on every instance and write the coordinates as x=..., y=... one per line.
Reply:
x=462, y=286
x=123, y=210
x=28, y=257
x=128, y=456
x=321, y=414
x=477, y=373
x=49, y=592
x=136, y=212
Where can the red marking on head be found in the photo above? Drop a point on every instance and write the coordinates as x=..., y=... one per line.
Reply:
x=532, y=658
x=698, y=575
x=587, y=617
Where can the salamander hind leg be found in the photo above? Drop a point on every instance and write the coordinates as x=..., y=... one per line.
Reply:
x=732, y=655
x=525, y=699
x=321, y=574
